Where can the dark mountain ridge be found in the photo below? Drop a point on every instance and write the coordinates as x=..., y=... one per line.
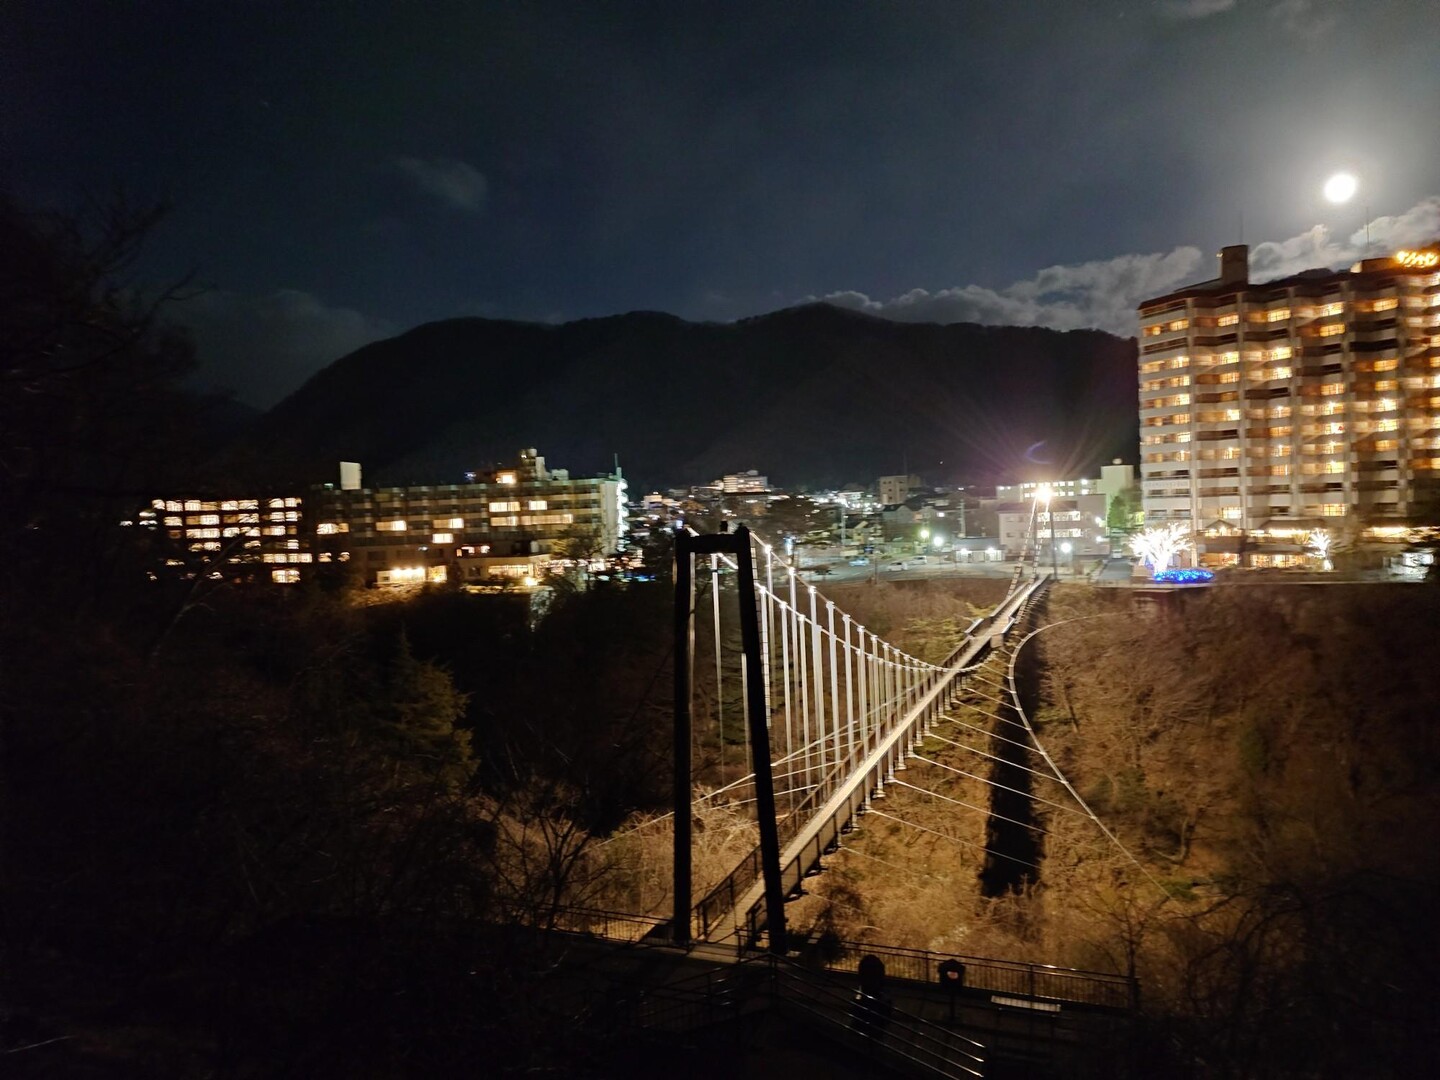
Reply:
x=808, y=395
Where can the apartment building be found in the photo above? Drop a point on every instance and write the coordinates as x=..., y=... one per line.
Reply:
x=1113, y=479
x=507, y=523
x=1077, y=525
x=1313, y=401
x=242, y=539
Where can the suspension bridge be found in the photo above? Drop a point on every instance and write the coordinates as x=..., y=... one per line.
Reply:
x=833, y=713
x=834, y=716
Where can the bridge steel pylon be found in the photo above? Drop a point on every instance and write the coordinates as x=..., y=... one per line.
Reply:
x=736, y=545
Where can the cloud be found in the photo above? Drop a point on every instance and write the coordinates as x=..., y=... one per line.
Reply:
x=1306, y=19
x=1318, y=247
x=1104, y=294
x=1195, y=9
x=1100, y=294
x=263, y=347
x=457, y=184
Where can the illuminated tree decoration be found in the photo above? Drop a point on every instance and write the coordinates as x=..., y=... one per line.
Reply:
x=1318, y=543
x=1159, y=544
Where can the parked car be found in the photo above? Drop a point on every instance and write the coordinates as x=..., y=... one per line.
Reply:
x=860, y=561
x=920, y=559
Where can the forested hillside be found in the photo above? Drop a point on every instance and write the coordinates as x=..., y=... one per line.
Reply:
x=1269, y=758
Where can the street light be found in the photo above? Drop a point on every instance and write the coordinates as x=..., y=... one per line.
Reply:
x=1044, y=494
x=1065, y=549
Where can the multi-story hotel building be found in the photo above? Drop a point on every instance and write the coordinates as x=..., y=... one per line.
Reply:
x=244, y=538
x=506, y=523
x=1267, y=410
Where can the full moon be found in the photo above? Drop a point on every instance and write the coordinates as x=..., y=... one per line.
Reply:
x=1340, y=187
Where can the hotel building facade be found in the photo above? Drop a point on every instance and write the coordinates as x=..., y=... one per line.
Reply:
x=1268, y=410
x=512, y=524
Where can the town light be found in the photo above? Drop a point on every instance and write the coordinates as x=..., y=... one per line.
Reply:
x=1043, y=494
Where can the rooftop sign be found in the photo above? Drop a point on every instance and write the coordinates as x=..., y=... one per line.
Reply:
x=1418, y=260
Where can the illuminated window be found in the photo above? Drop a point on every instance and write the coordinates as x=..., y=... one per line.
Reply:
x=1331, y=309
x=1389, y=303
x=1177, y=362
x=1151, y=366
x=1387, y=384
x=1230, y=513
x=1278, y=412
x=276, y=504
x=1332, y=509
x=1334, y=467
x=504, y=507
x=1387, y=444
x=1281, y=352
x=1278, y=315
x=1228, y=320
x=1230, y=376
x=450, y=523
x=505, y=478
x=1387, y=425
x=1282, y=432
x=1277, y=373
x=1331, y=329
x=391, y=526
x=508, y=520
x=330, y=528
x=535, y=504
x=443, y=538
x=1279, y=470
x=285, y=577
x=1152, y=331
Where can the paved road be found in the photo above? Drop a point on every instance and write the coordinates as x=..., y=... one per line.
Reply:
x=888, y=570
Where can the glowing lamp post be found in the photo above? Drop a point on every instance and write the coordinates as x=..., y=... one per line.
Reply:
x=1066, y=548
x=1043, y=495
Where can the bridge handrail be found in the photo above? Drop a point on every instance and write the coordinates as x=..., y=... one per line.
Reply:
x=1014, y=977
x=1018, y=978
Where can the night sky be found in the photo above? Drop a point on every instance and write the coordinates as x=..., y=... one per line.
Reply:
x=344, y=171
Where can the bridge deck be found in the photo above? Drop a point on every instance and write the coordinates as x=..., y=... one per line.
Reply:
x=845, y=796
